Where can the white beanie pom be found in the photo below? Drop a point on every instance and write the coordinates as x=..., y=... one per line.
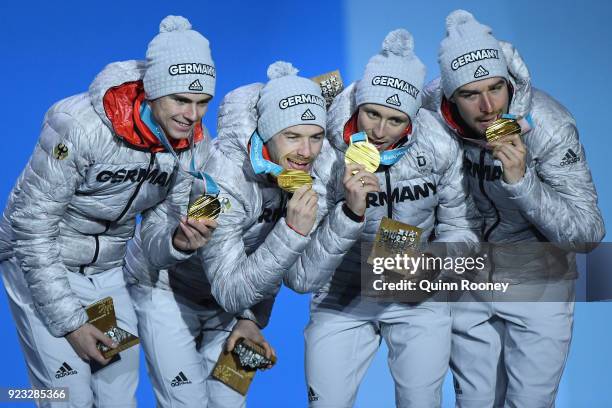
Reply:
x=174, y=23
x=398, y=42
x=458, y=17
x=281, y=69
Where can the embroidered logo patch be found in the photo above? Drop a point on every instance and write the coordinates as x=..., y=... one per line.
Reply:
x=60, y=152
x=195, y=86
x=570, y=158
x=394, y=100
x=308, y=115
x=480, y=72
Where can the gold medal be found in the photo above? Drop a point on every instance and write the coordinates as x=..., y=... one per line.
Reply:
x=291, y=180
x=502, y=127
x=205, y=206
x=364, y=153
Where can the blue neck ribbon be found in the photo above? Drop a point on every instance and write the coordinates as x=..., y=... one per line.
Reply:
x=388, y=157
x=259, y=164
x=147, y=117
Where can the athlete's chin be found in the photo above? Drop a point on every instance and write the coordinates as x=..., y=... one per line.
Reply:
x=180, y=135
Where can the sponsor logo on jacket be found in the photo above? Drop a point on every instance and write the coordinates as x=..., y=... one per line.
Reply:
x=134, y=176
x=398, y=195
x=294, y=100
x=180, y=379
x=191, y=68
x=396, y=83
x=474, y=56
x=570, y=158
x=486, y=172
x=312, y=395
x=65, y=370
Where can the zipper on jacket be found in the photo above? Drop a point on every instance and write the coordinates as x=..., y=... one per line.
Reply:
x=96, y=250
x=133, y=197
x=95, y=257
x=481, y=177
x=108, y=223
x=389, y=198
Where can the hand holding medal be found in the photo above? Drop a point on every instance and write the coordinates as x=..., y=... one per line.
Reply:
x=207, y=206
x=358, y=182
x=292, y=180
x=504, y=137
x=500, y=128
x=196, y=229
x=362, y=160
x=361, y=151
x=302, y=210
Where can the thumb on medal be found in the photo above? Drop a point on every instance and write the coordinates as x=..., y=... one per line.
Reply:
x=350, y=169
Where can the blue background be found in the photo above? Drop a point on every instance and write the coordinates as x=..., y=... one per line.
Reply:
x=51, y=51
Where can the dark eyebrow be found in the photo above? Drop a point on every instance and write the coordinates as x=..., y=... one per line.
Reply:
x=498, y=83
x=289, y=133
x=180, y=98
x=467, y=92
x=189, y=100
x=397, y=118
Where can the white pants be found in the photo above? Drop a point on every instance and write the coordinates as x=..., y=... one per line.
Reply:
x=342, y=338
x=52, y=362
x=509, y=353
x=182, y=342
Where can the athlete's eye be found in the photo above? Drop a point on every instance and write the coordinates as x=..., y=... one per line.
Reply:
x=468, y=97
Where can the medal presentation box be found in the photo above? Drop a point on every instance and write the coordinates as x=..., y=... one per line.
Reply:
x=237, y=368
x=102, y=315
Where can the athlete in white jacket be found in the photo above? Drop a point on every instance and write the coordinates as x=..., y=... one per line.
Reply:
x=97, y=165
x=531, y=189
x=419, y=182
x=190, y=304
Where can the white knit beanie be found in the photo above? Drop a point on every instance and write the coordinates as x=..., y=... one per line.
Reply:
x=468, y=53
x=178, y=61
x=288, y=100
x=394, y=77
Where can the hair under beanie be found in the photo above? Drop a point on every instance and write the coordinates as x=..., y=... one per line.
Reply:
x=178, y=61
x=394, y=77
x=468, y=53
x=288, y=100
